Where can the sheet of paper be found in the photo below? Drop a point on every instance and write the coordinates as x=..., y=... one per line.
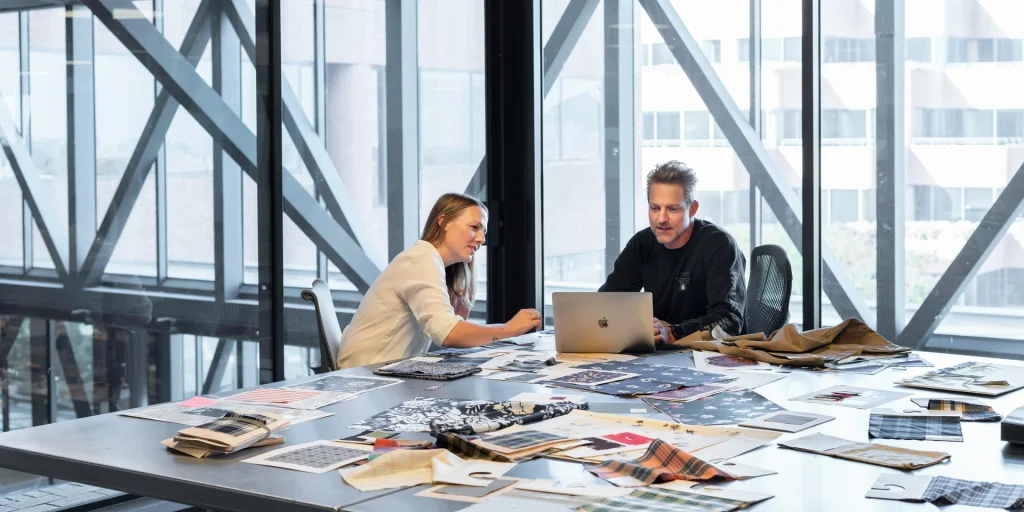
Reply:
x=500, y=375
x=749, y=380
x=588, y=357
x=729, y=493
x=354, y=384
x=195, y=416
x=307, y=399
x=971, y=377
x=817, y=443
x=458, y=472
x=716, y=361
x=546, y=398
x=729, y=448
x=518, y=500
x=861, y=398
x=743, y=471
x=899, y=486
x=589, y=377
x=314, y=457
x=493, y=489
x=428, y=359
x=573, y=488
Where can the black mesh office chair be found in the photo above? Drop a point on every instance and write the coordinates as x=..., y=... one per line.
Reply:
x=330, y=331
x=771, y=282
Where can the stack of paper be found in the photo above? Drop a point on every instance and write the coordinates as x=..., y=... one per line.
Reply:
x=234, y=432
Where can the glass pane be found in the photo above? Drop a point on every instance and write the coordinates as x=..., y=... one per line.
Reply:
x=10, y=192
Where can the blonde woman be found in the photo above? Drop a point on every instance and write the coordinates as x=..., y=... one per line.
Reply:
x=425, y=293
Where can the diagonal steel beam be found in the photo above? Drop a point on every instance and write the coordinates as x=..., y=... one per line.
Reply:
x=307, y=141
x=566, y=34
x=209, y=110
x=32, y=191
x=748, y=146
x=72, y=373
x=965, y=266
x=146, y=150
x=218, y=367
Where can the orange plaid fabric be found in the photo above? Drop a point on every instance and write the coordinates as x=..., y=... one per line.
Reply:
x=662, y=463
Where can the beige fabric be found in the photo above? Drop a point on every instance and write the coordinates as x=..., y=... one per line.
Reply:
x=790, y=346
x=871, y=453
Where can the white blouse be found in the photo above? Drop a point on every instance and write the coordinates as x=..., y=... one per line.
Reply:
x=405, y=309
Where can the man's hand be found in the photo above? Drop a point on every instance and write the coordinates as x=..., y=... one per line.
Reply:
x=662, y=333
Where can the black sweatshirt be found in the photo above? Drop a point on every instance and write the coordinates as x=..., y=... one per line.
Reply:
x=696, y=287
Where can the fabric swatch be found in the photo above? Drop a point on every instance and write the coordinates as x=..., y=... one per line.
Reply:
x=943, y=490
x=870, y=453
x=673, y=374
x=725, y=408
x=588, y=377
x=523, y=439
x=529, y=365
x=464, y=446
x=345, y=384
x=968, y=411
x=425, y=414
x=661, y=500
x=432, y=371
x=915, y=428
x=629, y=387
x=662, y=463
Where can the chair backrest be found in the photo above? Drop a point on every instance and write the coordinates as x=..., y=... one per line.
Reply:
x=330, y=331
x=768, y=291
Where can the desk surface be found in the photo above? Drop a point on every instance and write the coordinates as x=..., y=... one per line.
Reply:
x=123, y=453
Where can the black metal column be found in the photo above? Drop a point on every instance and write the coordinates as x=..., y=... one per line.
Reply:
x=81, y=135
x=402, y=113
x=138, y=369
x=39, y=374
x=890, y=177
x=619, y=127
x=269, y=186
x=810, y=78
x=514, y=148
x=227, y=174
x=755, y=115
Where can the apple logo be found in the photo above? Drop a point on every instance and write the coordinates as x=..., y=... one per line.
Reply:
x=602, y=323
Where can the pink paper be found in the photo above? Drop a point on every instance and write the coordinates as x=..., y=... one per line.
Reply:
x=197, y=401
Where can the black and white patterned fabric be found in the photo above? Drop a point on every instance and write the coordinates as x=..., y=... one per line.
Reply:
x=237, y=424
x=674, y=374
x=461, y=416
x=523, y=439
x=529, y=365
x=916, y=428
x=947, y=491
x=424, y=370
x=629, y=387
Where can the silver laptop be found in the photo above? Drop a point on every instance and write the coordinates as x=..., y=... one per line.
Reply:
x=603, y=322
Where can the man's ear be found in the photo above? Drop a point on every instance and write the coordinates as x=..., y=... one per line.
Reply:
x=693, y=207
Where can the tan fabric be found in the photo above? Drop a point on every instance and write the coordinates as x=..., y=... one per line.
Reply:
x=871, y=453
x=789, y=346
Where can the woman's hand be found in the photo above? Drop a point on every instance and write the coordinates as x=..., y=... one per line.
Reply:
x=524, y=321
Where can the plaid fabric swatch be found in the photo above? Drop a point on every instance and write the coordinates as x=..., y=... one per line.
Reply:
x=433, y=371
x=947, y=491
x=463, y=445
x=238, y=424
x=916, y=428
x=969, y=412
x=662, y=463
x=662, y=500
x=523, y=439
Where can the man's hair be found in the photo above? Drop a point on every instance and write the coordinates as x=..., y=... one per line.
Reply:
x=674, y=172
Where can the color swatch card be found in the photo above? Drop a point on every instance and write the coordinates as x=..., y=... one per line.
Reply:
x=851, y=396
x=346, y=383
x=788, y=421
x=709, y=361
x=971, y=377
x=609, y=444
x=314, y=457
x=727, y=408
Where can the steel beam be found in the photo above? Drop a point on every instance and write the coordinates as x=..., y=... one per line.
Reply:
x=41, y=384
x=144, y=156
x=160, y=166
x=319, y=109
x=754, y=58
x=210, y=111
x=270, y=178
x=227, y=175
x=968, y=261
x=402, y=113
x=247, y=372
x=560, y=45
x=24, y=102
x=138, y=369
x=307, y=142
x=619, y=128
x=81, y=134
x=72, y=373
x=218, y=366
x=890, y=172
x=810, y=79
x=169, y=363
x=514, y=91
x=764, y=174
x=32, y=191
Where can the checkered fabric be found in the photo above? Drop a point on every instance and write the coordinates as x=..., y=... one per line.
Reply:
x=523, y=439
x=947, y=491
x=661, y=500
x=433, y=371
x=969, y=412
x=237, y=424
x=662, y=463
x=462, y=445
x=916, y=428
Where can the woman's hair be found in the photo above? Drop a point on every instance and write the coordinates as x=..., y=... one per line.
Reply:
x=459, y=276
